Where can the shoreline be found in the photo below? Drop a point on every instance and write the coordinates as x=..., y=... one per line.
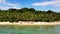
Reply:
x=30, y=23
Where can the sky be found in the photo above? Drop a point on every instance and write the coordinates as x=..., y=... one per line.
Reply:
x=43, y=5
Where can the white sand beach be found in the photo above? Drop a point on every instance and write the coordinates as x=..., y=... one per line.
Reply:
x=30, y=23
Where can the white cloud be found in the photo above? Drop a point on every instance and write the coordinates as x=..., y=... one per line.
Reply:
x=8, y=5
x=6, y=8
x=2, y=1
x=53, y=2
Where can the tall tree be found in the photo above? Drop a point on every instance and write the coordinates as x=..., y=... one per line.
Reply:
x=31, y=9
x=49, y=11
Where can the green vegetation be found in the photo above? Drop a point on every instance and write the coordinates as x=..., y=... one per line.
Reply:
x=28, y=14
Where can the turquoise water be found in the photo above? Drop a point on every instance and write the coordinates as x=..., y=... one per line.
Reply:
x=29, y=29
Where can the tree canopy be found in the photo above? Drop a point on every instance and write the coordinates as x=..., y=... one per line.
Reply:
x=28, y=14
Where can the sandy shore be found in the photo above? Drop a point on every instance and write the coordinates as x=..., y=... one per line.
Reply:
x=30, y=23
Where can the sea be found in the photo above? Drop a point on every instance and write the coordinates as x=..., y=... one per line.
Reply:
x=29, y=29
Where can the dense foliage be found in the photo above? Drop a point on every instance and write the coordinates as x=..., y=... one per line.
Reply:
x=28, y=14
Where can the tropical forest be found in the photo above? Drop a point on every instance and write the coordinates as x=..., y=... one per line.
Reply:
x=28, y=14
